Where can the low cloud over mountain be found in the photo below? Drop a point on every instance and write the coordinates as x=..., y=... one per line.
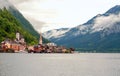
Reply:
x=99, y=33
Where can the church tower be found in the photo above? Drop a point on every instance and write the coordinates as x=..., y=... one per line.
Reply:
x=40, y=40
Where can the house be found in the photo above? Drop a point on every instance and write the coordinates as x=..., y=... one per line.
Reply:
x=18, y=44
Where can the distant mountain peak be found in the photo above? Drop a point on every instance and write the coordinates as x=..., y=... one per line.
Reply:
x=114, y=10
x=99, y=33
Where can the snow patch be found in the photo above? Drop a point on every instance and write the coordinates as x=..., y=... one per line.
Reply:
x=82, y=29
x=55, y=33
x=103, y=22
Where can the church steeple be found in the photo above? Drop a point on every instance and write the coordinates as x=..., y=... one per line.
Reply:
x=40, y=40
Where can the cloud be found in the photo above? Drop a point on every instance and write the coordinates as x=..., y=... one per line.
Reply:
x=31, y=13
x=18, y=1
x=70, y=13
x=38, y=25
x=58, y=13
x=103, y=22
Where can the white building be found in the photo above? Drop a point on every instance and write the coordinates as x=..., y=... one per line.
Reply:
x=18, y=36
x=51, y=44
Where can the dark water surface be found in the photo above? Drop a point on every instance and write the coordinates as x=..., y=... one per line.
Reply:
x=83, y=64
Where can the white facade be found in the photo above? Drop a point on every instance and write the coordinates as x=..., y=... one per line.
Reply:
x=51, y=44
x=18, y=36
x=40, y=40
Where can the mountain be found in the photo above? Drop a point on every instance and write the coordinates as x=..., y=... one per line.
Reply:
x=114, y=10
x=101, y=33
x=9, y=25
x=56, y=33
x=24, y=23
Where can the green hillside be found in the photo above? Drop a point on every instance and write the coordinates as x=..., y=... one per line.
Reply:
x=25, y=23
x=9, y=25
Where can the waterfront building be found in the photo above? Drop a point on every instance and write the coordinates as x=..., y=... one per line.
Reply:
x=51, y=44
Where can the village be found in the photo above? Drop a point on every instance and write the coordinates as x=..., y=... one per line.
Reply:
x=19, y=45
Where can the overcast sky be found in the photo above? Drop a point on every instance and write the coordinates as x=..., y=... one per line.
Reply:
x=52, y=14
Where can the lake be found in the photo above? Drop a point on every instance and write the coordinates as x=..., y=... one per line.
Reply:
x=78, y=64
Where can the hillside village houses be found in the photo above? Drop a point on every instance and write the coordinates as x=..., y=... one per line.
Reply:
x=19, y=45
x=45, y=48
x=16, y=45
x=48, y=48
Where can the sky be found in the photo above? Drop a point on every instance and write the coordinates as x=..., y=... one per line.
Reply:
x=46, y=15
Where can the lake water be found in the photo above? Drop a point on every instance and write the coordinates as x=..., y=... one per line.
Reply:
x=83, y=64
